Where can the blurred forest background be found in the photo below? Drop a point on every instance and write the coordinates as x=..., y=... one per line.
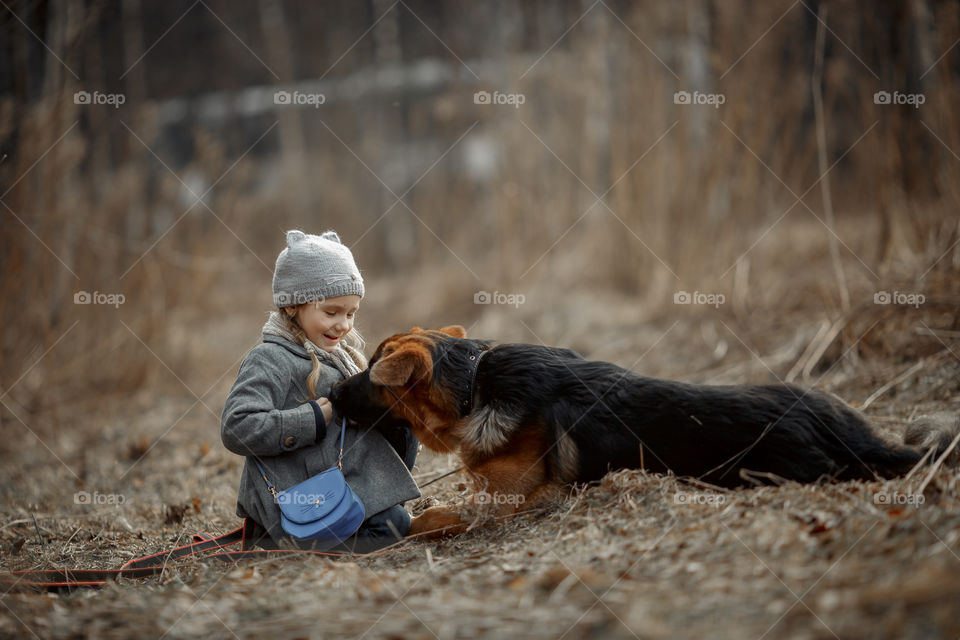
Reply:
x=585, y=185
x=598, y=181
x=568, y=172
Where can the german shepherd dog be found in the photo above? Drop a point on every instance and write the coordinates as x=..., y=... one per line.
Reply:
x=526, y=420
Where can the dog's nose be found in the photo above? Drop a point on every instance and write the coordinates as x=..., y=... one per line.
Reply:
x=335, y=391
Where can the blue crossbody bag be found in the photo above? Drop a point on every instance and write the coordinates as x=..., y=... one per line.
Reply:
x=322, y=507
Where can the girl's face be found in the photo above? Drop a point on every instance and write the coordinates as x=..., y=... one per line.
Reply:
x=326, y=321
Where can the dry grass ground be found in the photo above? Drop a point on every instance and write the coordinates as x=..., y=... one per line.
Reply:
x=636, y=556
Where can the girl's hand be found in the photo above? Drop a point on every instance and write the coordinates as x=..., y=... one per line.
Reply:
x=326, y=408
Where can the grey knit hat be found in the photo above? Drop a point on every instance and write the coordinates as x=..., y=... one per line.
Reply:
x=313, y=268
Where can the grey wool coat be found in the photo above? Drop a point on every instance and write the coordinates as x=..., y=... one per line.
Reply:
x=267, y=414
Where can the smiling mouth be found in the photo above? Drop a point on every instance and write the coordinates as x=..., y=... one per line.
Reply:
x=331, y=338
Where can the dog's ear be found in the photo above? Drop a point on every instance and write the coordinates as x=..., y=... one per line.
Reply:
x=402, y=365
x=454, y=330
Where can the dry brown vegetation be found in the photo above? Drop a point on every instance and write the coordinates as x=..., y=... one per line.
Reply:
x=597, y=199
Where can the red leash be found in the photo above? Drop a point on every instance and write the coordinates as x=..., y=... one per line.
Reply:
x=204, y=548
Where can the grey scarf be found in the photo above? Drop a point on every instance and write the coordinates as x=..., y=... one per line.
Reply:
x=344, y=358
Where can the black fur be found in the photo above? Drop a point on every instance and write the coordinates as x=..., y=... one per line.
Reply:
x=452, y=366
x=370, y=415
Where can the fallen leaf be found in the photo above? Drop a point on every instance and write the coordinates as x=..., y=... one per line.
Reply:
x=175, y=513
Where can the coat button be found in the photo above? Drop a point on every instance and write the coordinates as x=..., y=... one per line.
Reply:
x=289, y=442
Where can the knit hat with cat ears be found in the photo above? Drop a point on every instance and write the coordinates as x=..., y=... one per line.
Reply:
x=313, y=268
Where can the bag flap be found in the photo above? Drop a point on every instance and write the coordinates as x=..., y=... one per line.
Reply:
x=314, y=498
x=344, y=523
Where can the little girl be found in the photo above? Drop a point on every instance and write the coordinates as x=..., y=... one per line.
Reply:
x=277, y=411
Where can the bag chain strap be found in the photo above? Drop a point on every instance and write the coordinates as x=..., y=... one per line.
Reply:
x=273, y=490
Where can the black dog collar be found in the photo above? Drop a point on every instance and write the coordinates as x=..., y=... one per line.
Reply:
x=466, y=405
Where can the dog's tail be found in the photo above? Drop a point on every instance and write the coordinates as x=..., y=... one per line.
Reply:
x=937, y=431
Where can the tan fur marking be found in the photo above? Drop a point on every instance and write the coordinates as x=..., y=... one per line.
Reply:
x=511, y=482
x=568, y=459
x=409, y=361
x=486, y=430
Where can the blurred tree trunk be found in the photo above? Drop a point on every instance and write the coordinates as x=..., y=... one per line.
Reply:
x=695, y=56
x=293, y=156
x=398, y=230
x=595, y=158
x=132, y=25
x=66, y=22
x=906, y=171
